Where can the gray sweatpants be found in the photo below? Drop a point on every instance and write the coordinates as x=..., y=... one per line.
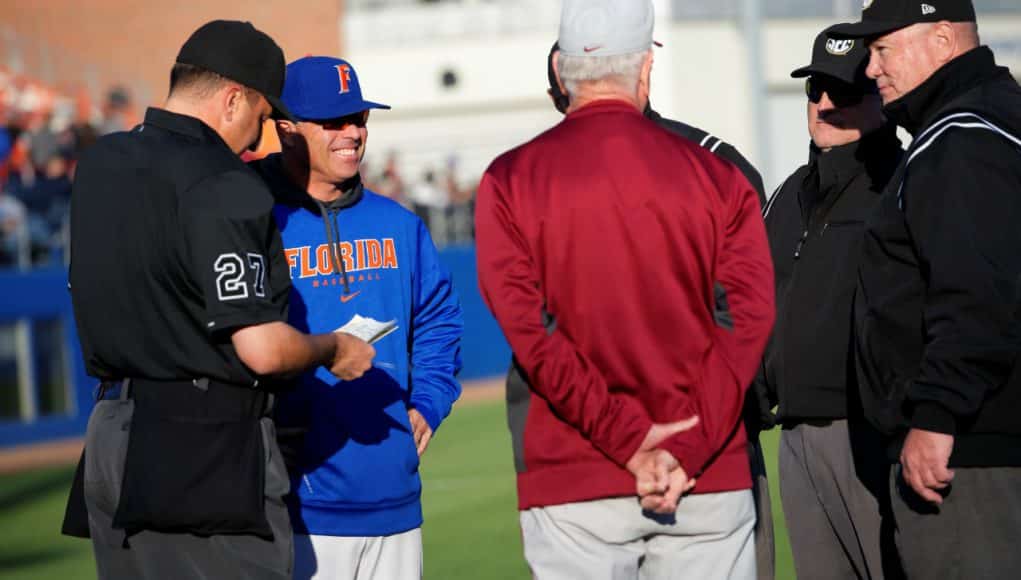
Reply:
x=833, y=483
x=710, y=536
x=975, y=533
x=153, y=555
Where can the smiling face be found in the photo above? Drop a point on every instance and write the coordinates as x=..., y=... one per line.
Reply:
x=335, y=147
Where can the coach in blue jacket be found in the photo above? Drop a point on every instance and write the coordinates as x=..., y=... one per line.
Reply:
x=355, y=501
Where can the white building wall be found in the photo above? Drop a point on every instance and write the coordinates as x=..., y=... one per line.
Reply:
x=498, y=53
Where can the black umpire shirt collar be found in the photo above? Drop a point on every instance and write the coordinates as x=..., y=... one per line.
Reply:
x=832, y=171
x=183, y=124
x=840, y=165
x=917, y=109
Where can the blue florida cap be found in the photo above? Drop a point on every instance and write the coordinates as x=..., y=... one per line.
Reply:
x=318, y=88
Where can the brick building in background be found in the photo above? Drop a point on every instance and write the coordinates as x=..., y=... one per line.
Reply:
x=132, y=43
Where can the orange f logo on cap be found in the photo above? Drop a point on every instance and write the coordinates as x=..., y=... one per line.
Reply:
x=345, y=77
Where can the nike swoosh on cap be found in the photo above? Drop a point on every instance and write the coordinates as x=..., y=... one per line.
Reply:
x=592, y=48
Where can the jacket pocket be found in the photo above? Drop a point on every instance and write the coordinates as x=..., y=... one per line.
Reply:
x=882, y=390
x=370, y=460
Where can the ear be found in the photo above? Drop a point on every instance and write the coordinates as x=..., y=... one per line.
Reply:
x=285, y=127
x=286, y=131
x=232, y=96
x=646, y=76
x=943, y=41
x=556, y=71
x=645, y=80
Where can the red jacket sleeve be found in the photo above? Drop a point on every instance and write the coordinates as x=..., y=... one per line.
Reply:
x=744, y=270
x=556, y=370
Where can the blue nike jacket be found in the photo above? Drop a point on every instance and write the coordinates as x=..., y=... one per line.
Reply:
x=357, y=470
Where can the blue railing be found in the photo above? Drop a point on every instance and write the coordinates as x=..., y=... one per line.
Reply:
x=38, y=296
x=27, y=298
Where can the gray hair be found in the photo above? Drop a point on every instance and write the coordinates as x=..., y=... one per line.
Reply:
x=622, y=70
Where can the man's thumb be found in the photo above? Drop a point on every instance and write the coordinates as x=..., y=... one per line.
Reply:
x=682, y=425
x=662, y=431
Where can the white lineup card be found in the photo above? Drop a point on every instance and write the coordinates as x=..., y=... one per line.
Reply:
x=368, y=329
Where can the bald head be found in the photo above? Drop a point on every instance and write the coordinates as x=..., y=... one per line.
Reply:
x=904, y=59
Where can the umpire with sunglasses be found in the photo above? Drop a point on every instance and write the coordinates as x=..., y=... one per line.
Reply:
x=832, y=469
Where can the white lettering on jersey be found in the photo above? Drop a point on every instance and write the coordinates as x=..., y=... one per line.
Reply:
x=230, y=285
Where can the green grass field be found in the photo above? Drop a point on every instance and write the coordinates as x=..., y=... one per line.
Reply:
x=471, y=529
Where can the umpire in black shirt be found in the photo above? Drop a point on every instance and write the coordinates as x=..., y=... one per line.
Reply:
x=832, y=471
x=180, y=294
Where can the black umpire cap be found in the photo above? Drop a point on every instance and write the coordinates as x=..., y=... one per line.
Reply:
x=844, y=59
x=879, y=17
x=241, y=53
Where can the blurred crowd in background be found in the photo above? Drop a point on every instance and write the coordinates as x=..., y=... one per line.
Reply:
x=444, y=202
x=43, y=132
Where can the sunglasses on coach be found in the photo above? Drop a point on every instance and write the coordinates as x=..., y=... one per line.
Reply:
x=358, y=119
x=840, y=93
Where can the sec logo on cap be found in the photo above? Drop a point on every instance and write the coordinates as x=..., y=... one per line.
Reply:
x=839, y=47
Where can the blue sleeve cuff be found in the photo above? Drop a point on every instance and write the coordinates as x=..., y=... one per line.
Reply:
x=428, y=413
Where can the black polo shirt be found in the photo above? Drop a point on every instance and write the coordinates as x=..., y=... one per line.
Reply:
x=173, y=246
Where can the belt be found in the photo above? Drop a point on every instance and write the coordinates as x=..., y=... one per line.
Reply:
x=123, y=389
x=113, y=390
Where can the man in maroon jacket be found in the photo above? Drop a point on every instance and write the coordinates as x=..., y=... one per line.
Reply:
x=651, y=256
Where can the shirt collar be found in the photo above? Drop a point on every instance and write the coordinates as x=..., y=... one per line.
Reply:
x=602, y=106
x=915, y=110
x=841, y=164
x=832, y=171
x=183, y=125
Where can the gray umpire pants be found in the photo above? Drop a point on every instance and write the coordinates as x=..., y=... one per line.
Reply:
x=710, y=537
x=833, y=484
x=152, y=555
x=765, y=546
x=975, y=533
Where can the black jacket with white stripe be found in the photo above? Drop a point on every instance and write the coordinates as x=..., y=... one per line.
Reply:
x=815, y=222
x=714, y=144
x=754, y=418
x=938, y=307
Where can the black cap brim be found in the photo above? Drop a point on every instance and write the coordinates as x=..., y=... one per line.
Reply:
x=338, y=113
x=805, y=71
x=865, y=29
x=813, y=71
x=280, y=111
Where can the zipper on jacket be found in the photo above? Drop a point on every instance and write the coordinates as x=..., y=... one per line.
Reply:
x=801, y=244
